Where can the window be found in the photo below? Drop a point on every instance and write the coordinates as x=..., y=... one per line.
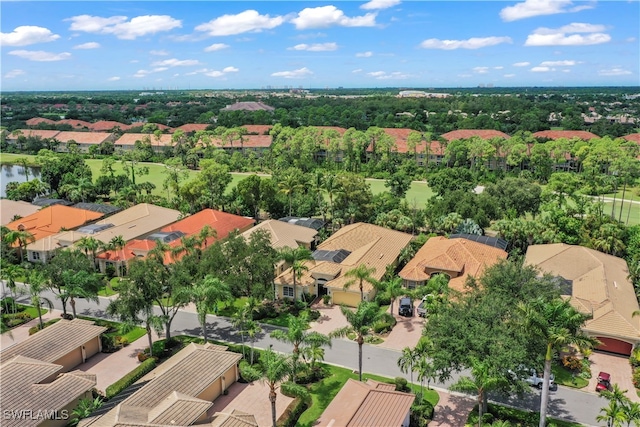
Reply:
x=35, y=256
x=287, y=291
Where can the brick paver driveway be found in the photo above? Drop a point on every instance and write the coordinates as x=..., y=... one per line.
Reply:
x=253, y=399
x=618, y=367
x=331, y=318
x=407, y=331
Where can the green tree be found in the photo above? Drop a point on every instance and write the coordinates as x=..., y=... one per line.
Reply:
x=360, y=323
x=408, y=360
x=275, y=369
x=613, y=414
x=10, y=274
x=360, y=274
x=394, y=289
x=22, y=238
x=35, y=282
x=296, y=258
x=206, y=294
x=80, y=284
x=483, y=379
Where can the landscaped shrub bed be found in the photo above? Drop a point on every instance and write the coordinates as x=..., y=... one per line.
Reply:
x=115, y=337
x=516, y=417
x=133, y=376
x=34, y=329
x=14, y=314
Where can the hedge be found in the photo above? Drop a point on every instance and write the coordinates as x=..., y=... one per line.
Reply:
x=133, y=376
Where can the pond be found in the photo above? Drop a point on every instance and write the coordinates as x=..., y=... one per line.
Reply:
x=16, y=173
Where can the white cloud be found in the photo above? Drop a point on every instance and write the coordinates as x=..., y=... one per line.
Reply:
x=499, y=67
x=144, y=73
x=568, y=35
x=14, y=73
x=230, y=70
x=159, y=52
x=357, y=70
x=508, y=76
x=326, y=16
x=472, y=43
x=40, y=56
x=214, y=74
x=481, y=70
x=383, y=75
x=113, y=79
x=173, y=62
x=122, y=27
x=316, y=47
x=614, y=72
x=376, y=73
x=521, y=64
x=559, y=63
x=244, y=22
x=379, y=4
x=26, y=35
x=542, y=69
x=368, y=54
x=531, y=8
x=90, y=45
x=215, y=47
x=294, y=74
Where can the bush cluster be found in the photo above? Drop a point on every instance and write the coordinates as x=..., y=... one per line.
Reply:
x=385, y=324
x=133, y=376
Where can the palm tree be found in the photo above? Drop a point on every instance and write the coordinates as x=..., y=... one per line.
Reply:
x=35, y=282
x=289, y=184
x=424, y=366
x=275, y=368
x=89, y=245
x=206, y=294
x=557, y=324
x=360, y=323
x=361, y=273
x=22, y=237
x=252, y=328
x=205, y=233
x=613, y=414
x=80, y=284
x=631, y=412
x=394, y=289
x=482, y=381
x=296, y=258
x=408, y=360
x=299, y=337
x=10, y=273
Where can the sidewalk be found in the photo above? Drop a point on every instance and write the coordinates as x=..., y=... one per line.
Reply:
x=452, y=410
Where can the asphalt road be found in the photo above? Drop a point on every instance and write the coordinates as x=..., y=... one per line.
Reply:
x=565, y=403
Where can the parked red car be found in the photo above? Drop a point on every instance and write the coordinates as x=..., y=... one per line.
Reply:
x=604, y=382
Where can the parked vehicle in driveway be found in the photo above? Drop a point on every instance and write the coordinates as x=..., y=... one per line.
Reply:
x=604, y=382
x=422, y=307
x=405, y=307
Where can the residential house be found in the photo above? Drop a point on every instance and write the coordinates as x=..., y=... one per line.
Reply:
x=12, y=210
x=368, y=404
x=177, y=393
x=131, y=223
x=597, y=285
x=12, y=137
x=568, y=134
x=159, y=144
x=66, y=343
x=84, y=140
x=351, y=246
x=234, y=418
x=108, y=126
x=470, y=133
x=221, y=223
x=313, y=223
x=285, y=235
x=456, y=258
x=51, y=220
x=38, y=394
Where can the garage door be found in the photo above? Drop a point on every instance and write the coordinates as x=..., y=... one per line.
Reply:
x=352, y=299
x=614, y=346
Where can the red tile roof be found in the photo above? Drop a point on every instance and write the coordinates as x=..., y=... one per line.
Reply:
x=131, y=138
x=53, y=219
x=556, y=134
x=104, y=125
x=75, y=123
x=192, y=127
x=258, y=129
x=469, y=133
x=37, y=120
x=635, y=137
x=92, y=138
x=37, y=133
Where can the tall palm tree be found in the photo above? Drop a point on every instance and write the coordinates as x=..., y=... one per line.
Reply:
x=206, y=232
x=10, y=274
x=296, y=258
x=631, y=412
x=22, y=238
x=275, y=369
x=361, y=274
x=394, y=289
x=557, y=324
x=408, y=360
x=252, y=328
x=481, y=381
x=299, y=337
x=35, y=282
x=90, y=245
x=360, y=322
x=613, y=414
x=206, y=294
x=80, y=284
x=289, y=185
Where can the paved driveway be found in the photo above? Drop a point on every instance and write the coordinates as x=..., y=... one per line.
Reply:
x=251, y=398
x=331, y=318
x=618, y=367
x=407, y=331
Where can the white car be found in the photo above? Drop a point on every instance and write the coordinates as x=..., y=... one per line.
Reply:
x=530, y=376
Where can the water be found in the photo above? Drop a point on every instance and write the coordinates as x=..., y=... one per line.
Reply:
x=15, y=173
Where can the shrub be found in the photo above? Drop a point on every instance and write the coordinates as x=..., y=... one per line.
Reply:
x=636, y=377
x=247, y=372
x=572, y=363
x=383, y=298
x=291, y=415
x=291, y=389
x=133, y=376
x=634, y=359
x=314, y=315
x=385, y=324
x=421, y=413
x=142, y=356
x=401, y=384
x=326, y=299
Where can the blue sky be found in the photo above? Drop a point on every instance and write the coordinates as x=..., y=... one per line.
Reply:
x=113, y=45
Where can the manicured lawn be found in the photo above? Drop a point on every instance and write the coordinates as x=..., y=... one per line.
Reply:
x=112, y=289
x=323, y=392
x=10, y=159
x=114, y=329
x=633, y=215
x=230, y=309
x=565, y=378
x=24, y=314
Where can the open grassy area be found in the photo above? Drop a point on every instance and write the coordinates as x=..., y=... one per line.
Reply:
x=115, y=329
x=632, y=215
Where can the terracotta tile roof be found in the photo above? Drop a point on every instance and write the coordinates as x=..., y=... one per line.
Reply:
x=172, y=389
x=74, y=123
x=283, y=234
x=53, y=219
x=37, y=120
x=463, y=256
x=25, y=386
x=93, y=138
x=258, y=129
x=234, y=419
x=369, y=244
x=131, y=139
x=37, y=133
x=555, y=134
x=360, y=404
x=250, y=141
x=12, y=208
x=635, y=137
x=469, y=133
x=192, y=127
x=600, y=286
x=55, y=341
x=108, y=125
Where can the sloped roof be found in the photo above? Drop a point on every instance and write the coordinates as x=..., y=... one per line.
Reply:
x=43, y=202
x=463, y=256
x=258, y=129
x=104, y=125
x=132, y=138
x=368, y=244
x=485, y=240
x=193, y=127
x=469, y=133
x=83, y=137
x=35, y=121
x=282, y=234
x=234, y=419
x=556, y=134
x=12, y=208
x=21, y=388
x=74, y=123
x=248, y=106
x=600, y=286
x=366, y=404
x=37, y=133
x=635, y=137
x=314, y=223
x=55, y=341
x=51, y=220
x=98, y=207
